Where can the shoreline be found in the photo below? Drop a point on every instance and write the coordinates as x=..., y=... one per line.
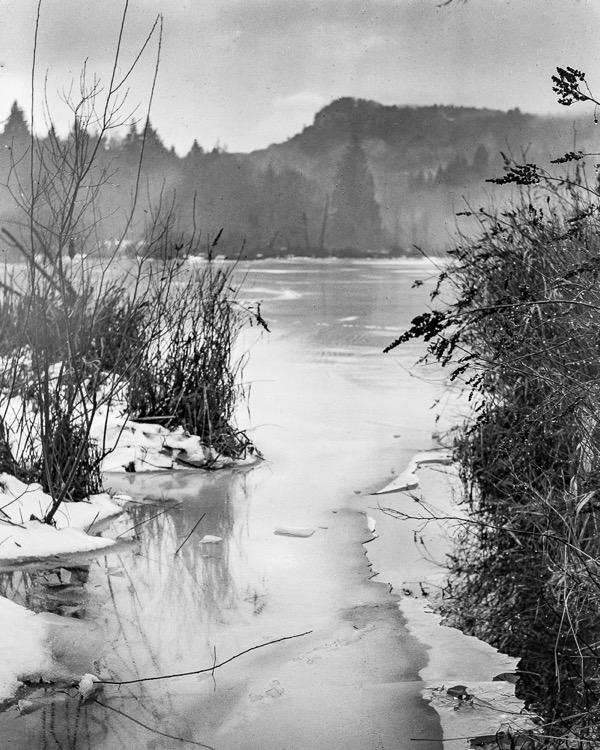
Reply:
x=454, y=659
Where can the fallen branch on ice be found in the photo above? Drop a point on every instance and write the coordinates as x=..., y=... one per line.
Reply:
x=206, y=669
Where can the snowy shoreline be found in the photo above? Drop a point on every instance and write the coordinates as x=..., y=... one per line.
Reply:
x=25, y=649
x=453, y=658
x=26, y=540
x=488, y=704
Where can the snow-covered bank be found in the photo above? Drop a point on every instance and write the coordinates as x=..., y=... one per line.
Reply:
x=24, y=651
x=26, y=537
x=488, y=704
x=420, y=527
x=144, y=446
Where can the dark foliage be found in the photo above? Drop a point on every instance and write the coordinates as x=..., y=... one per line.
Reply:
x=522, y=329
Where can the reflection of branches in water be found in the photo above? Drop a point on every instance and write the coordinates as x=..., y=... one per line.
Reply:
x=157, y=604
x=210, y=589
x=61, y=731
x=64, y=725
x=155, y=609
x=151, y=729
x=71, y=724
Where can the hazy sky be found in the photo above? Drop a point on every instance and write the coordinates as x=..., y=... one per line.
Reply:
x=246, y=73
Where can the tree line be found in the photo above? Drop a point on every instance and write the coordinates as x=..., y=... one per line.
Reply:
x=257, y=211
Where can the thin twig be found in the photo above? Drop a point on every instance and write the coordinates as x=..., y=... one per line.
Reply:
x=93, y=522
x=191, y=532
x=206, y=669
x=147, y=520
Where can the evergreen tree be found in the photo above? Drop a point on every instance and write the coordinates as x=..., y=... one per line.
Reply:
x=16, y=129
x=195, y=152
x=457, y=172
x=355, y=217
x=132, y=144
x=154, y=148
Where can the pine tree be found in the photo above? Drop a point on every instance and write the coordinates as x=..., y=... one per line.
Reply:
x=355, y=217
x=154, y=149
x=16, y=138
x=132, y=144
x=195, y=154
x=16, y=128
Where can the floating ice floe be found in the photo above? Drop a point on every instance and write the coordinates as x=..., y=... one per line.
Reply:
x=210, y=539
x=408, y=479
x=298, y=531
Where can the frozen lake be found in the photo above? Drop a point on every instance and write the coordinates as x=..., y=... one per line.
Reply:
x=336, y=419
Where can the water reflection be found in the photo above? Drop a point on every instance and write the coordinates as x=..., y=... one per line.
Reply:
x=159, y=611
x=331, y=416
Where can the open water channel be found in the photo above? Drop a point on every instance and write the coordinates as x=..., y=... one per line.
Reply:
x=335, y=420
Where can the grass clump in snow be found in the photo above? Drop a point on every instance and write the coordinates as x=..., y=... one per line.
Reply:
x=68, y=339
x=82, y=339
x=189, y=376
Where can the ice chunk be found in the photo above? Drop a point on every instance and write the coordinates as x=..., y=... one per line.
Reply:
x=298, y=531
x=210, y=539
x=408, y=480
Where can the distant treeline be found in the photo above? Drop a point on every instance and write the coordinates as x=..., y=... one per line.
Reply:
x=364, y=179
x=261, y=211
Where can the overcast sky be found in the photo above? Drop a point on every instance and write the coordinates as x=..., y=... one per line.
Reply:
x=246, y=73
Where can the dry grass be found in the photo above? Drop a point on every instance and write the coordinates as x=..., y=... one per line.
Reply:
x=520, y=328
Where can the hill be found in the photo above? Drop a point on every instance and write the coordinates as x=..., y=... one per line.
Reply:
x=424, y=161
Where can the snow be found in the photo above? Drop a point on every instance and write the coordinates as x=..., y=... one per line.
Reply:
x=130, y=445
x=408, y=479
x=89, y=686
x=23, y=649
x=24, y=535
x=145, y=446
x=36, y=540
x=454, y=659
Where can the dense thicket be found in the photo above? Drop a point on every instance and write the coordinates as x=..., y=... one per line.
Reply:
x=520, y=327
